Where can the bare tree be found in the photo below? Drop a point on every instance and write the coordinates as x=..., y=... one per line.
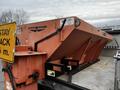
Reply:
x=19, y=16
x=6, y=17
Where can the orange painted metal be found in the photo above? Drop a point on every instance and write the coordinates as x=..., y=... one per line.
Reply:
x=26, y=63
x=77, y=40
x=21, y=48
x=66, y=43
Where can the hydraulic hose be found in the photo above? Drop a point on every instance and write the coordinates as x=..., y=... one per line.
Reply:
x=49, y=36
x=10, y=74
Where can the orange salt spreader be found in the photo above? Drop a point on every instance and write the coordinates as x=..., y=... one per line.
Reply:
x=45, y=50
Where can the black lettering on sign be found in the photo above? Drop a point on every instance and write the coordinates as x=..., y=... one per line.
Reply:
x=4, y=32
x=5, y=52
x=5, y=41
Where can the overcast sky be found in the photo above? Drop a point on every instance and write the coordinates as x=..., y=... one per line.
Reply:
x=90, y=10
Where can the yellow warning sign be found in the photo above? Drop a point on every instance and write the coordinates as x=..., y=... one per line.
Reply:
x=7, y=41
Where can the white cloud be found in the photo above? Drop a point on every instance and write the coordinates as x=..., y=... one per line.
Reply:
x=85, y=9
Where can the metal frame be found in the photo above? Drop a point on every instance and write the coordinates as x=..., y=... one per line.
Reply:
x=52, y=80
x=64, y=65
x=64, y=68
x=117, y=70
x=114, y=32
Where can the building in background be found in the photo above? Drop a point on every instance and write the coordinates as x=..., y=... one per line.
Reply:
x=110, y=48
